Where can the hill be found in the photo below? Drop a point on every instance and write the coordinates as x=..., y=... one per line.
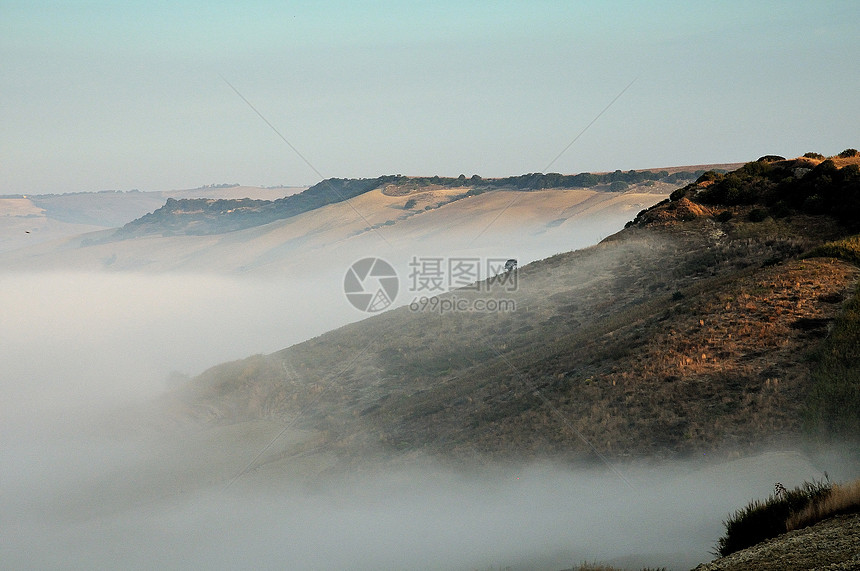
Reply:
x=699, y=328
x=526, y=224
x=35, y=219
x=212, y=216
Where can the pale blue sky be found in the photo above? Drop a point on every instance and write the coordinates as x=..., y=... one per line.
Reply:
x=121, y=95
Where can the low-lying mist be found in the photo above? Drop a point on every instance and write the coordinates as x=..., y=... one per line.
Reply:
x=88, y=479
x=74, y=500
x=84, y=487
x=84, y=339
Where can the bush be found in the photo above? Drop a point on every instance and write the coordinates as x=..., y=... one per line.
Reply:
x=709, y=175
x=760, y=521
x=848, y=153
x=818, y=156
x=679, y=193
x=770, y=159
x=410, y=204
x=723, y=216
x=618, y=186
x=757, y=215
x=780, y=210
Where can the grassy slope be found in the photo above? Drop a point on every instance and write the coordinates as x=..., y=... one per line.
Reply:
x=679, y=335
x=835, y=396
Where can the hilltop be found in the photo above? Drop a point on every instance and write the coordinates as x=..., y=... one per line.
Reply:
x=697, y=329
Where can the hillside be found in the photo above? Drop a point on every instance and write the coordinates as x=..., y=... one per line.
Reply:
x=214, y=216
x=696, y=329
x=528, y=225
x=235, y=229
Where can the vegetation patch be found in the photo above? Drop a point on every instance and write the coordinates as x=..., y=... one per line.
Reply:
x=777, y=187
x=762, y=520
x=834, y=403
x=847, y=249
x=787, y=510
x=841, y=499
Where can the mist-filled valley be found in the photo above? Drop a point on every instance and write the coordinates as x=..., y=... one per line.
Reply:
x=94, y=474
x=85, y=501
x=556, y=286
x=216, y=400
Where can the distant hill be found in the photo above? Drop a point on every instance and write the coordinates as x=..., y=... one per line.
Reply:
x=710, y=324
x=204, y=216
x=528, y=225
x=33, y=219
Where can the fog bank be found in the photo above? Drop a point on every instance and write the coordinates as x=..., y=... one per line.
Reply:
x=87, y=482
x=84, y=339
x=62, y=509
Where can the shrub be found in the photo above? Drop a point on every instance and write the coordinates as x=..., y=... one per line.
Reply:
x=818, y=156
x=709, y=175
x=770, y=159
x=847, y=153
x=410, y=204
x=757, y=215
x=780, y=210
x=618, y=186
x=814, y=204
x=760, y=521
x=724, y=216
x=679, y=193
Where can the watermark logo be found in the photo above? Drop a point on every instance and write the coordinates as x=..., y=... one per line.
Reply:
x=434, y=275
x=456, y=304
x=371, y=284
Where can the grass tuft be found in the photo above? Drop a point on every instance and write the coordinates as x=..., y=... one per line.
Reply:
x=847, y=249
x=842, y=498
x=762, y=520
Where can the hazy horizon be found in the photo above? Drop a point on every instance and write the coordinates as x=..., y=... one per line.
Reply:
x=102, y=96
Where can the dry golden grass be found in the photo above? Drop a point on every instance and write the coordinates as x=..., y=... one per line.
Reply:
x=845, y=161
x=843, y=498
x=19, y=207
x=807, y=162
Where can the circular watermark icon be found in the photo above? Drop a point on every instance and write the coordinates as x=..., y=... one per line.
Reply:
x=371, y=284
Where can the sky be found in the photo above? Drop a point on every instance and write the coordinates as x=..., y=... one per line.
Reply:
x=103, y=95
